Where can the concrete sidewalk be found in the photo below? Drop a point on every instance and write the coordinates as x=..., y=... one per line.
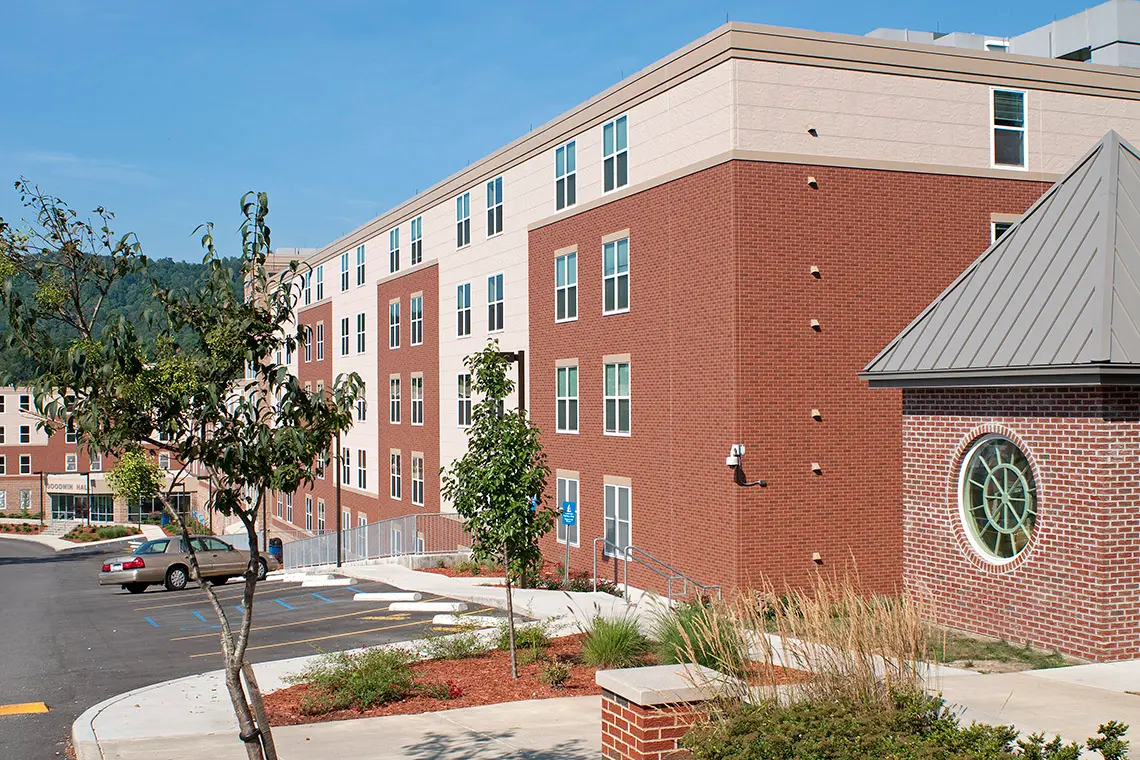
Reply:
x=149, y=532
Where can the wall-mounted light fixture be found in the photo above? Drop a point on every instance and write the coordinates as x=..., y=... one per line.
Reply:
x=813, y=183
x=815, y=272
x=734, y=462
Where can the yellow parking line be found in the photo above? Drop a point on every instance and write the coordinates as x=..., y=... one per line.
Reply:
x=333, y=636
x=23, y=708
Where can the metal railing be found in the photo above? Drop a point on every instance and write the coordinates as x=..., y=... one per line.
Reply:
x=394, y=537
x=663, y=570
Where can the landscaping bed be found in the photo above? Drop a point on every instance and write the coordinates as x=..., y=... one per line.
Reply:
x=83, y=534
x=552, y=577
x=22, y=529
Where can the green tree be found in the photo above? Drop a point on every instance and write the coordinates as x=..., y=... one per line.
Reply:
x=206, y=390
x=497, y=487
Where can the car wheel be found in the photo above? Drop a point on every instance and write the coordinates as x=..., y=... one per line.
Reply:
x=262, y=569
x=176, y=578
x=135, y=588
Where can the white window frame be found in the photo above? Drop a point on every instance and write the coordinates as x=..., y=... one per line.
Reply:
x=320, y=282
x=164, y=461
x=25, y=403
x=309, y=514
x=3, y=464
x=418, y=480
x=307, y=331
x=393, y=325
x=361, y=262
x=617, y=398
x=2, y=434
x=463, y=310
x=320, y=517
x=362, y=469
x=416, y=241
x=567, y=288
x=566, y=176
x=495, y=207
x=307, y=286
x=1024, y=129
x=463, y=220
x=344, y=267
x=25, y=464
x=346, y=466
x=495, y=303
x=289, y=509
x=619, y=124
x=71, y=463
x=569, y=400
x=616, y=276
x=561, y=494
x=345, y=335
x=394, y=401
x=395, y=477
x=463, y=396
x=993, y=230
x=25, y=433
x=416, y=307
x=417, y=396
x=96, y=463
x=280, y=505
x=320, y=341
x=361, y=333
x=393, y=250
x=362, y=406
x=615, y=489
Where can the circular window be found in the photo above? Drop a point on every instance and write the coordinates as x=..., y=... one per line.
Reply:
x=999, y=498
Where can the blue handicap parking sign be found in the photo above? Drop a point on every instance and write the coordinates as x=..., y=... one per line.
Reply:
x=569, y=512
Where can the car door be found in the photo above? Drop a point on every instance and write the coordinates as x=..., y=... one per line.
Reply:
x=209, y=561
x=232, y=560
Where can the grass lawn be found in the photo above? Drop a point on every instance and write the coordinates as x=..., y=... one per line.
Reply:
x=989, y=654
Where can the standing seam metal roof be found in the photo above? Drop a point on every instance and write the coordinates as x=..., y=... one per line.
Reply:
x=1057, y=294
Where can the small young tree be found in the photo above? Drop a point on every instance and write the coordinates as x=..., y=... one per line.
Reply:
x=207, y=390
x=497, y=487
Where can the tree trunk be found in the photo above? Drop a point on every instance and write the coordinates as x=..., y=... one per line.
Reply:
x=510, y=614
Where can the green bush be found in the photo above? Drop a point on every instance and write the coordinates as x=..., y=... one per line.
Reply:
x=456, y=646
x=554, y=674
x=113, y=531
x=700, y=632
x=917, y=728
x=530, y=635
x=616, y=643
x=356, y=680
x=529, y=656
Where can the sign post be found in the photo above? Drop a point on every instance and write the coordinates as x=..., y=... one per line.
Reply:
x=569, y=519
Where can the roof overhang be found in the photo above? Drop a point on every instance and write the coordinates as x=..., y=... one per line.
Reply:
x=1074, y=374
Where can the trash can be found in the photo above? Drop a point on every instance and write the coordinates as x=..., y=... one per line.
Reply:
x=276, y=550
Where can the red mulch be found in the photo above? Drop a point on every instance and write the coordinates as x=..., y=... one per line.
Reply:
x=451, y=572
x=23, y=529
x=483, y=680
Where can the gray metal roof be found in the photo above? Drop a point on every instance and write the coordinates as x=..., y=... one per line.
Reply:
x=1055, y=300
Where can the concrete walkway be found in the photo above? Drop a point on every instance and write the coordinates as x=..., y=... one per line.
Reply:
x=59, y=545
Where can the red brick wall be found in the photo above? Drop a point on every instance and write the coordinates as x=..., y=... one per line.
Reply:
x=1076, y=586
x=404, y=361
x=636, y=732
x=311, y=373
x=722, y=353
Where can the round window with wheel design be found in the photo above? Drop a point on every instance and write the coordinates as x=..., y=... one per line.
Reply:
x=999, y=498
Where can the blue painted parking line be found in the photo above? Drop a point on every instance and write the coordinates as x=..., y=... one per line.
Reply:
x=149, y=620
x=286, y=606
x=323, y=599
x=198, y=615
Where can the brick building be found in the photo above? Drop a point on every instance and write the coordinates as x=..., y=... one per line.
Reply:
x=701, y=256
x=1021, y=424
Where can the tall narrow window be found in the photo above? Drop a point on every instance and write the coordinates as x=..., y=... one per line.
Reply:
x=568, y=492
x=417, y=240
x=25, y=434
x=309, y=513
x=2, y=404
x=417, y=399
x=25, y=464
x=1009, y=128
x=3, y=465
x=567, y=401
x=417, y=480
x=360, y=335
x=494, y=302
x=394, y=324
x=320, y=517
x=346, y=467
x=361, y=469
x=463, y=309
x=307, y=333
x=495, y=206
x=464, y=400
x=565, y=176
x=394, y=250
x=96, y=462
x=359, y=265
x=463, y=220
x=25, y=403
x=396, y=490
x=344, y=269
x=417, y=320
x=615, y=276
x=362, y=406
x=320, y=341
x=566, y=287
x=320, y=282
x=307, y=281
x=617, y=519
x=617, y=398
x=344, y=336
x=280, y=504
x=71, y=462
x=394, y=400
x=289, y=507
x=615, y=154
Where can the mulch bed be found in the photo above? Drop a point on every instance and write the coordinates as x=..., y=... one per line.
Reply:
x=451, y=572
x=22, y=529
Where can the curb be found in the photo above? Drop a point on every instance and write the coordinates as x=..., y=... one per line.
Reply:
x=35, y=539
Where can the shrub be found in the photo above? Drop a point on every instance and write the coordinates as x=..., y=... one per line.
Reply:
x=614, y=643
x=529, y=656
x=703, y=632
x=554, y=674
x=447, y=690
x=528, y=636
x=356, y=680
x=457, y=646
x=113, y=531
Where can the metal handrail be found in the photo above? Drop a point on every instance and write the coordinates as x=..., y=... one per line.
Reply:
x=626, y=555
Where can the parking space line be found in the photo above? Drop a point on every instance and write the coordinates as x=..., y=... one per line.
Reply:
x=200, y=600
x=323, y=599
x=23, y=708
x=286, y=625
x=149, y=620
x=286, y=606
x=198, y=615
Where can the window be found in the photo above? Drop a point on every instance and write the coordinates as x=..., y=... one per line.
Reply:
x=394, y=400
x=344, y=342
x=395, y=485
x=2, y=436
x=309, y=513
x=344, y=269
x=362, y=407
x=2, y=404
x=25, y=434
x=164, y=461
x=361, y=469
x=322, y=464
x=417, y=399
x=288, y=353
x=417, y=480
x=1009, y=128
x=565, y=176
x=280, y=504
x=567, y=491
x=615, y=155
x=25, y=500
x=25, y=403
x=417, y=240
x=567, y=402
x=617, y=398
x=72, y=463
x=3, y=465
x=359, y=265
x=320, y=341
x=289, y=507
x=464, y=400
x=25, y=464
x=463, y=309
x=360, y=342
x=394, y=250
x=494, y=206
x=320, y=517
x=320, y=282
x=997, y=229
x=617, y=519
x=394, y=324
x=463, y=220
x=346, y=469
x=566, y=287
x=494, y=303
x=307, y=340
x=96, y=463
x=615, y=276
x=70, y=436
x=307, y=281
x=998, y=498
x=417, y=320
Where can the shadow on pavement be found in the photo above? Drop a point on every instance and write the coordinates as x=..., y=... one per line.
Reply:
x=47, y=559
x=473, y=745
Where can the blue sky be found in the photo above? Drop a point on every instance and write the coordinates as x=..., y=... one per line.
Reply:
x=166, y=112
